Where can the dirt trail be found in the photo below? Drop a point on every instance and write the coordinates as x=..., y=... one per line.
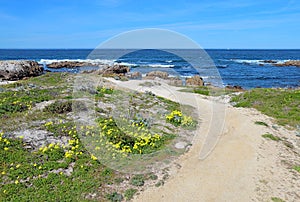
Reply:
x=242, y=166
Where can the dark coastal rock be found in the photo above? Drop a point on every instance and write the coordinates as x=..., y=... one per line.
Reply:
x=237, y=88
x=268, y=61
x=289, y=63
x=134, y=75
x=68, y=64
x=157, y=74
x=18, y=69
x=194, y=81
x=112, y=71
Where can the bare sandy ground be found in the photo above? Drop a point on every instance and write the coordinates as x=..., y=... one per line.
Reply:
x=229, y=159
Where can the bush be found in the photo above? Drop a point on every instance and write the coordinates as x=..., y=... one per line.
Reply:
x=59, y=107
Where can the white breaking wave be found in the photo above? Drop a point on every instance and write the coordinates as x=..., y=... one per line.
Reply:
x=92, y=61
x=258, y=62
x=126, y=64
x=160, y=65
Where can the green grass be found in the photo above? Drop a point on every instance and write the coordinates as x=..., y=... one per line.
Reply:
x=209, y=90
x=261, y=123
x=276, y=199
x=271, y=137
x=297, y=168
x=282, y=104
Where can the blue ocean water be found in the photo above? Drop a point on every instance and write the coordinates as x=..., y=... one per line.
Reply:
x=245, y=68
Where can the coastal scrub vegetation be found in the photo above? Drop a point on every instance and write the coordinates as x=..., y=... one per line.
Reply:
x=282, y=104
x=64, y=168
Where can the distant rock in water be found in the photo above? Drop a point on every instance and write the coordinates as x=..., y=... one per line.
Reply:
x=194, y=81
x=18, y=69
x=115, y=70
x=289, y=63
x=68, y=64
x=268, y=61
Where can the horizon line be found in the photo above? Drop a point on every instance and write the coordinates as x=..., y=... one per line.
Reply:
x=150, y=48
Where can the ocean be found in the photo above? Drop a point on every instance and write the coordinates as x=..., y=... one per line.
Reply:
x=245, y=68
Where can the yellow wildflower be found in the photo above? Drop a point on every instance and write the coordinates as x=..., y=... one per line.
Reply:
x=93, y=157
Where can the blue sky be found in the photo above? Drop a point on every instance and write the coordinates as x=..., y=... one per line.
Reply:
x=212, y=24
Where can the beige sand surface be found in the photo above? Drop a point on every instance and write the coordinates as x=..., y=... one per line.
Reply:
x=229, y=159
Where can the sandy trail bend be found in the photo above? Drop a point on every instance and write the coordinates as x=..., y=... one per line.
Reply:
x=240, y=166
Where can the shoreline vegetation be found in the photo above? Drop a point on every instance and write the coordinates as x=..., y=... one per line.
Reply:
x=43, y=152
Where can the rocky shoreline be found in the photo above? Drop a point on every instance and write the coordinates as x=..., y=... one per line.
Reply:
x=12, y=70
x=20, y=69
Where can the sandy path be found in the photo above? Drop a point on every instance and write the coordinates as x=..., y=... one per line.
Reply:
x=241, y=167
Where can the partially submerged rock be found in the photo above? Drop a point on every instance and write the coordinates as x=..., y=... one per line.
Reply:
x=18, y=69
x=68, y=64
x=268, y=61
x=289, y=63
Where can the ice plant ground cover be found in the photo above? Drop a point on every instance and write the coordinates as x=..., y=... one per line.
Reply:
x=66, y=166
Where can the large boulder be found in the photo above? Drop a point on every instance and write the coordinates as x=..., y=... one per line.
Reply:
x=68, y=64
x=114, y=70
x=157, y=74
x=194, y=81
x=134, y=75
x=18, y=69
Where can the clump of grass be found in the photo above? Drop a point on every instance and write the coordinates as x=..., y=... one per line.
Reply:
x=138, y=180
x=115, y=197
x=198, y=90
x=129, y=193
x=153, y=177
x=282, y=104
x=261, y=123
x=297, y=168
x=276, y=199
x=160, y=183
x=271, y=137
